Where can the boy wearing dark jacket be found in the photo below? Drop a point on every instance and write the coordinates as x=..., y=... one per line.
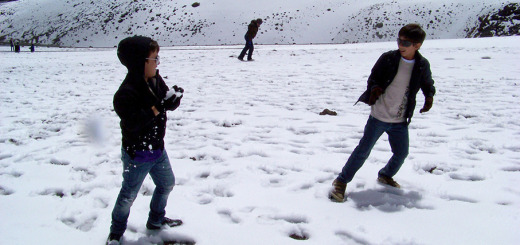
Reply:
x=141, y=103
x=252, y=30
x=392, y=87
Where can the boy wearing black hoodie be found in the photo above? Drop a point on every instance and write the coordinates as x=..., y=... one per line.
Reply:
x=141, y=103
x=392, y=87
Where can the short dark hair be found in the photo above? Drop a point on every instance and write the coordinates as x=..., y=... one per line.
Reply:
x=414, y=32
x=154, y=46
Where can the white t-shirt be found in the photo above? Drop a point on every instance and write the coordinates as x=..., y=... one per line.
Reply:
x=391, y=106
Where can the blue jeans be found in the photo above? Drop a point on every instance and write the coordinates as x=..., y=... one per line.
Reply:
x=249, y=46
x=134, y=174
x=398, y=138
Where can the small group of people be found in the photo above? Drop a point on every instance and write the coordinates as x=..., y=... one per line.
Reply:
x=15, y=46
x=143, y=100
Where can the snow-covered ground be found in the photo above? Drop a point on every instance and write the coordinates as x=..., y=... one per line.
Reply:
x=253, y=158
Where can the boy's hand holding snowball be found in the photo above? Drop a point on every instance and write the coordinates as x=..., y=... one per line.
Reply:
x=173, y=97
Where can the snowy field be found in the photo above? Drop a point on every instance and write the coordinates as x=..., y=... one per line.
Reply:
x=253, y=159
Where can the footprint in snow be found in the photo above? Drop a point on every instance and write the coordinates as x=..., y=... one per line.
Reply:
x=101, y=202
x=458, y=198
x=53, y=192
x=348, y=238
x=305, y=187
x=5, y=156
x=325, y=179
x=4, y=191
x=457, y=128
x=15, y=142
x=293, y=219
x=511, y=169
x=55, y=161
x=221, y=191
x=224, y=175
x=204, y=175
x=206, y=196
x=85, y=174
x=464, y=177
x=78, y=192
x=82, y=222
x=485, y=148
x=14, y=174
x=274, y=182
x=227, y=214
x=303, y=130
x=437, y=169
x=204, y=199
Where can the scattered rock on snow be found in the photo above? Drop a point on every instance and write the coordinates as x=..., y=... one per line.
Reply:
x=299, y=236
x=328, y=112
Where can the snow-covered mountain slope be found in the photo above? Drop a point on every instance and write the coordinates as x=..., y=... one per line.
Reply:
x=220, y=22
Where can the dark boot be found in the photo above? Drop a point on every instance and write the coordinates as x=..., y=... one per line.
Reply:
x=167, y=221
x=337, y=194
x=113, y=239
x=385, y=180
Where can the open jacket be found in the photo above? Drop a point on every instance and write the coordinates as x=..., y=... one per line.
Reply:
x=141, y=129
x=383, y=74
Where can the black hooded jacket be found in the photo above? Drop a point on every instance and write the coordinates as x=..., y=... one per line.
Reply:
x=383, y=74
x=252, y=30
x=141, y=130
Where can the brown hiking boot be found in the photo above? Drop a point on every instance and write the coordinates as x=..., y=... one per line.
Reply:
x=385, y=180
x=338, y=193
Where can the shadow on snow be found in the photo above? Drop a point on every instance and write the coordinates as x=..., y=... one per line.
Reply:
x=387, y=199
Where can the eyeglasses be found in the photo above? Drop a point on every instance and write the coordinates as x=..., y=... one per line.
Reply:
x=157, y=61
x=404, y=43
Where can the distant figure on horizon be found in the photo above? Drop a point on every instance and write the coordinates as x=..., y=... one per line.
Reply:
x=252, y=29
x=17, y=47
x=392, y=87
x=12, y=44
x=32, y=48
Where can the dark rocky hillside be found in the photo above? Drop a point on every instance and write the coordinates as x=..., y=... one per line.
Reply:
x=504, y=22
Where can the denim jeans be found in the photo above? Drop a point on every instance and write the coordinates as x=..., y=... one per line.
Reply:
x=134, y=174
x=398, y=138
x=249, y=46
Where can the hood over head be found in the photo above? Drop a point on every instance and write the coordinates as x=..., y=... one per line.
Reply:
x=133, y=51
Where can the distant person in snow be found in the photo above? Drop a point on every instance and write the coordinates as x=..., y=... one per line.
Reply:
x=17, y=47
x=32, y=48
x=141, y=102
x=12, y=44
x=252, y=29
x=392, y=87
